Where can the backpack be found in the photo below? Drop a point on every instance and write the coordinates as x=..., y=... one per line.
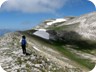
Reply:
x=23, y=42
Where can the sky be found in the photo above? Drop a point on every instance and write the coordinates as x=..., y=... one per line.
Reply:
x=25, y=14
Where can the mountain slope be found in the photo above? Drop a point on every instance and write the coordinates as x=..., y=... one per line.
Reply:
x=84, y=25
x=13, y=60
x=73, y=56
x=78, y=33
x=43, y=57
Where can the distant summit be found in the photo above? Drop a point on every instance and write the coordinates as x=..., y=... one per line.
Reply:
x=53, y=22
x=4, y=31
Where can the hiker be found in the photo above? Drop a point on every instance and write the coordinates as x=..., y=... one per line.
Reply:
x=23, y=44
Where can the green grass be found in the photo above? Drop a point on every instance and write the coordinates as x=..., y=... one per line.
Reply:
x=93, y=51
x=83, y=62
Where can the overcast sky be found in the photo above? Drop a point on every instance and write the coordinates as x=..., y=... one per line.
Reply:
x=24, y=14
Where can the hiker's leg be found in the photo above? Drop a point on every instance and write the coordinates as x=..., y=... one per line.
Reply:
x=23, y=49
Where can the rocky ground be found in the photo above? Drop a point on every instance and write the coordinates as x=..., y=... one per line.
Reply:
x=12, y=59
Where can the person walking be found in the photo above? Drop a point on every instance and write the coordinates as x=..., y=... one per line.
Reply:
x=23, y=44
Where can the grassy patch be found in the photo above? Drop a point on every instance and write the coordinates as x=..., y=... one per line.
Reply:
x=81, y=61
x=84, y=62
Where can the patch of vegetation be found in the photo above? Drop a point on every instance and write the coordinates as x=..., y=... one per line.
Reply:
x=84, y=46
x=83, y=62
x=19, y=61
x=18, y=70
x=28, y=68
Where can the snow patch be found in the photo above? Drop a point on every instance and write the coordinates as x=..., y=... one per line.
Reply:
x=56, y=21
x=42, y=30
x=42, y=34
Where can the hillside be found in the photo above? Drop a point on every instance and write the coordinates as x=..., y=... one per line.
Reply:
x=43, y=57
x=84, y=25
x=77, y=33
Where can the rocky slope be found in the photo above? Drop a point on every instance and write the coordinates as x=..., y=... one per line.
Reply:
x=42, y=58
x=12, y=59
x=84, y=25
x=79, y=30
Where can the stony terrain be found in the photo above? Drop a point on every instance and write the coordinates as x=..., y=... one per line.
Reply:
x=12, y=59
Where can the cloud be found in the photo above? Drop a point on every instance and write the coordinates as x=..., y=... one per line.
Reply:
x=34, y=6
x=93, y=1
